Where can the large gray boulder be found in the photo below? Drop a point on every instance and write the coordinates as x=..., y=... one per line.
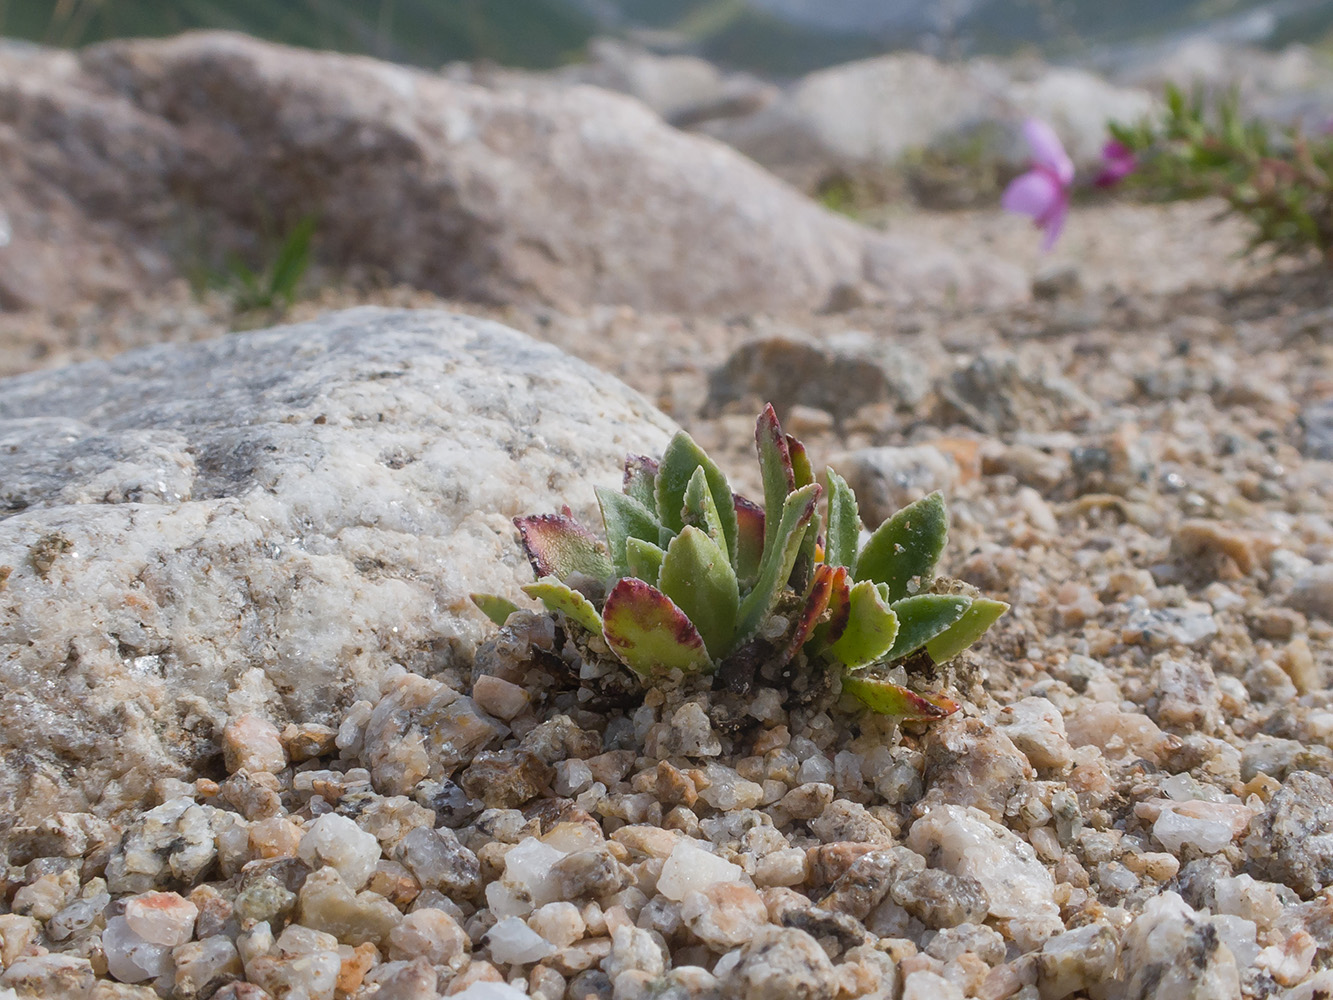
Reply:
x=268, y=522
x=874, y=114
x=1285, y=87
x=127, y=158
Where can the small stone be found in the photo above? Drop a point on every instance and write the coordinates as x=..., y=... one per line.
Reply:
x=560, y=739
x=1187, y=696
x=161, y=917
x=578, y=958
x=275, y=837
x=886, y=479
x=807, y=801
x=1117, y=734
x=171, y=842
x=482, y=981
x=970, y=763
x=1155, y=865
x=499, y=697
x=926, y=985
x=689, y=734
x=847, y=821
x=338, y=842
x=781, y=962
x=1292, y=841
x=1289, y=962
x=966, y=842
x=204, y=966
x=506, y=779
x=587, y=873
x=1313, y=592
x=571, y=777
x=983, y=942
x=328, y=904
x=786, y=866
x=395, y=883
x=355, y=965
x=1317, y=424
x=263, y=896
x=529, y=880
x=1244, y=896
x=633, y=948
x=1171, y=951
x=439, y=861
x=724, y=916
x=52, y=976
x=560, y=922
x=1037, y=728
x=727, y=791
x=131, y=958
x=304, y=963
x=1191, y=624
x=307, y=740
x=430, y=933
x=47, y=895
x=404, y=980
x=1199, y=540
x=75, y=918
x=1206, y=826
x=939, y=898
x=691, y=868
x=1078, y=959
x=513, y=942
x=252, y=743
x=868, y=879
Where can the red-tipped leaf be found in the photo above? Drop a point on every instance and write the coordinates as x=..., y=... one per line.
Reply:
x=559, y=546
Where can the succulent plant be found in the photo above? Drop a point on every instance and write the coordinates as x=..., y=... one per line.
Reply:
x=694, y=578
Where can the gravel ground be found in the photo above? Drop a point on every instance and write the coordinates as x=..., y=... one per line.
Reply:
x=1134, y=802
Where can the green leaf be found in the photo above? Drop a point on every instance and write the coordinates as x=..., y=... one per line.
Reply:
x=643, y=559
x=700, y=509
x=844, y=524
x=698, y=577
x=749, y=539
x=559, y=546
x=872, y=627
x=821, y=590
x=493, y=606
x=803, y=475
x=649, y=633
x=641, y=480
x=624, y=518
x=573, y=605
x=801, y=472
x=892, y=699
x=922, y=618
x=839, y=612
x=967, y=630
x=681, y=458
x=779, y=557
x=775, y=468
x=906, y=547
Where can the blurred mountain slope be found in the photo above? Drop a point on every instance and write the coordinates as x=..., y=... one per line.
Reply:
x=532, y=33
x=771, y=37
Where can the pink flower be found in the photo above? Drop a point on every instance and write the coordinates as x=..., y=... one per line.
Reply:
x=1042, y=192
x=1118, y=162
